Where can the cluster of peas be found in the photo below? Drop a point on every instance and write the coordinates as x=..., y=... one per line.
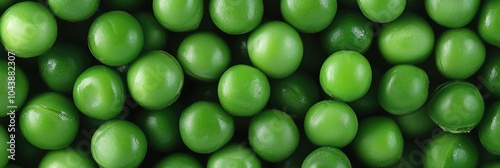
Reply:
x=252, y=83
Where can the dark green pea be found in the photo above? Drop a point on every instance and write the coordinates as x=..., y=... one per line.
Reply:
x=489, y=75
x=417, y=124
x=450, y=150
x=489, y=129
x=161, y=127
x=294, y=94
x=489, y=22
x=155, y=36
x=492, y=165
x=326, y=157
x=234, y=155
x=179, y=160
x=4, y=137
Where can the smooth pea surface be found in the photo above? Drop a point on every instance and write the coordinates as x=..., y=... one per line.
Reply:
x=326, y=157
x=118, y=143
x=180, y=160
x=234, y=155
x=489, y=130
x=349, y=30
x=459, y=53
x=236, y=17
x=456, y=107
x=407, y=40
x=155, y=36
x=178, y=15
x=161, y=127
x=451, y=13
x=73, y=10
x=489, y=74
x=205, y=127
x=382, y=11
x=49, y=121
x=155, y=80
x=28, y=29
x=272, y=44
x=115, y=38
x=379, y=141
x=204, y=56
x=331, y=123
x=99, y=92
x=450, y=150
x=20, y=88
x=489, y=22
x=309, y=16
x=4, y=137
x=417, y=124
x=403, y=89
x=243, y=90
x=346, y=75
x=294, y=94
x=273, y=135
x=69, y=158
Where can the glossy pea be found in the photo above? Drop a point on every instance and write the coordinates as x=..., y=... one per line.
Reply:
x=178, y=15
x=155, y=36
x=326, y=157
x=99, y=92
x=68, y=157
x=456, y=107
x=236, y=17
x=17, y=86
x=450, y=13
x=294, y=94
x=382, y=11
x=74, y=10
x=489, y=129
x=205, y=127
x=417, y=124
x=403, y=89
x=450, y=150
x=234, y=155
x=273, y=135
x=180, y=160
x=489, y=75
x=309, y=16
x=489, y=22
x=161, y=127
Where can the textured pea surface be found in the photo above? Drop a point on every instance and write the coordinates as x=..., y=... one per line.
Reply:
x=382, y=11
x=450, y=150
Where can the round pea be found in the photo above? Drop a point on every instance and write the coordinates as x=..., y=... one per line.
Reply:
x=403, y=89
x=456, y=107
x=49, y=121
x=407, y=40
x=349, y=30
x=243, y=90
x=489, y=74
x=234, y=155
x=276, y=49
x=382, y=11
x=204, y=56
x=161, y=127
x=331, y=123
x=155, y=80
x=236, y=17
x=346, y=76
x=179, y=160
x=178, y=15
x=155, y=36
x=326, y=157
x=61, y=65
x=74, y=10
x=379, y=142
x=273, y=135
x=450, y=150
x=489, y=129
x=451, y=13
x=309, y=16
x=118, y=143
x=417, y=124
x=115, y=38
x=4, y=137
x=489, y=22
x=68, y=157
x=459, y=53
x=28, y=29
x=294, y=94
x=205, y=127
x=99, y=92
x=19, y=89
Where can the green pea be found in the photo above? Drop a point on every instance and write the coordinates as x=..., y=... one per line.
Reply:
x=115, y=38
x=234, y=155
x=69, y=158
x=161, y=127
x=273, y=135
x=417, y=124
x=205, y=127
x=49, y=121
x=5, y=4
x=155, y=36
x=99, y=92
x=204, y=56
x=155, y=80
x=459, y=53
x=20, y=89
x=489, y=22
x=450, y=150
x=276, y=49
x=450, y=13
x=61, y=65
x=243, y=90
x=73, y=10
x=178, y=15
x=331, y=123
x=236, y=17
x=346, y=76
x=456, y=107
x=28, y=29
x=489, y=129
x=309, y=16
x=294, y=94
x=382, y=11
x=349, y=30
x=489, y=74
x=118, y=143
x=407, y=40
x=379, y=142
x=326, y=157
x=4, y=137
x=403, y=89
x=368, y=104
x=179, y=160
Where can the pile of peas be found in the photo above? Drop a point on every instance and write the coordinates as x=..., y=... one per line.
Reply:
x=250, y=83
